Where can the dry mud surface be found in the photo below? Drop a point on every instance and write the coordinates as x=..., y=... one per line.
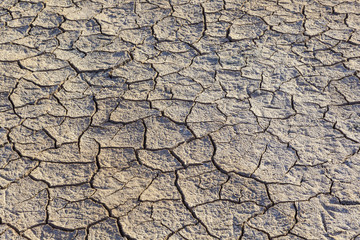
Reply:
x=179, y=119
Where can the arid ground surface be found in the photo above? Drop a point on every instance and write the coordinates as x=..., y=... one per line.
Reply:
x=179, y=119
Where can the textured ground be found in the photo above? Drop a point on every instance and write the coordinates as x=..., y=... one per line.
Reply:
x=179, y=119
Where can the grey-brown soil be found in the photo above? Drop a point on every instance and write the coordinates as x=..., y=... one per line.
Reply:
x=179, y=119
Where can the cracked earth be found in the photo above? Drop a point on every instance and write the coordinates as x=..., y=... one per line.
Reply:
x=179, y=119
